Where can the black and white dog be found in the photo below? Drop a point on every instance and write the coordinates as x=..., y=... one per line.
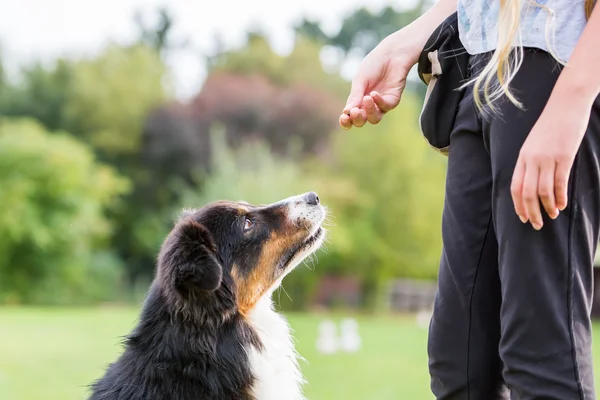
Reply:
x=208, y=329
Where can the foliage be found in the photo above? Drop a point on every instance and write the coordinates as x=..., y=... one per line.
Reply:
x=102, y=100
x=53, y=227
x=252, y=107
x=112, y=94
x=158, y=36
x=302, y=66
x=42, y=93
x=363, y=29
x=252, y=173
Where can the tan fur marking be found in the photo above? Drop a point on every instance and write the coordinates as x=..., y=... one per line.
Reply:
x=252, y=287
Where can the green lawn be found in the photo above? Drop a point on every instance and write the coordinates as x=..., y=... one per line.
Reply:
x=52, y=354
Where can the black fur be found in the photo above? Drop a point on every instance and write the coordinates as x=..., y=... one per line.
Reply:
x=190, y=342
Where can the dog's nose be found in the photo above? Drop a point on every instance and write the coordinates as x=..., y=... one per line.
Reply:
x=312, y=198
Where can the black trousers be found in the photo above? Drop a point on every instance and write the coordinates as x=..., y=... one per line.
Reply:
x=512, y=313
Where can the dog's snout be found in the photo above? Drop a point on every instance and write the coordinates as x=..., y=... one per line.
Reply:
x=312, y=198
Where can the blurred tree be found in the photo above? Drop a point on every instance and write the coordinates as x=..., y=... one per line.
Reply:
x=253, y=107
x=289, y=101
x=4, y=87
x=252, y=173
x=111, y=95
x=363, y=29
x=310, y=28
x=101, y=100
x=53, y=231
x=301, y=67
x=159, y=35
x=41, y=93
x=255, y=57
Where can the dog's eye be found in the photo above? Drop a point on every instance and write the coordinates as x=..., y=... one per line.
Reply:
x=248, y=224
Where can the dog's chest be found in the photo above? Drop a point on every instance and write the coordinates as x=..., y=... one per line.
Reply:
x=274, y=366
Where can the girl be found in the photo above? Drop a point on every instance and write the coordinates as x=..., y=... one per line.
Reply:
x=522, y=206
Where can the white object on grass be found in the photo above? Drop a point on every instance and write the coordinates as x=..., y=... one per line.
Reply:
x=327, y=340
x=350, y=339
x=424, y=318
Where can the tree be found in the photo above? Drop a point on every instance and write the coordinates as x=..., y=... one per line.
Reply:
x=111, y=95
x=310, y=28
x=255, y=57
x=42, y=93
x=53, y=228
x=255, y=93
x=158, y=36
x=101, y=100
x=301, y=67
x=253, y=107
x=363, y=29
x=251, y=172
x=4, y=88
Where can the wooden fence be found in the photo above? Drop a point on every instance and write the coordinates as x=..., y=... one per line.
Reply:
x=405, y=295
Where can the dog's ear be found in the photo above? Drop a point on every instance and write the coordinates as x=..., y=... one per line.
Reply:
x=188, y=258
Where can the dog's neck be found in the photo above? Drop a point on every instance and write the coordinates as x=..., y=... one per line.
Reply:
x=263, y=333
x=275, y=365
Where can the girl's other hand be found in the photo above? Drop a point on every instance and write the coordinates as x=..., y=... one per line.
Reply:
x=545, y=160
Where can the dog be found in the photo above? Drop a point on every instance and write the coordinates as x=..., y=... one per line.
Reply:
x=208, y=329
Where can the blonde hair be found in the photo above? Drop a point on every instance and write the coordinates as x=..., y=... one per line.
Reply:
x=495, y=78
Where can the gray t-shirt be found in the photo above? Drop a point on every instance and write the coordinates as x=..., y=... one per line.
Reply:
x=478, y=25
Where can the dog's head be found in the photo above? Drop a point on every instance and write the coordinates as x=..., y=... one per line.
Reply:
x=233, y=250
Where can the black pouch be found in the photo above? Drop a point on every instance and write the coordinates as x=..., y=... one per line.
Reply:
x=443, y=67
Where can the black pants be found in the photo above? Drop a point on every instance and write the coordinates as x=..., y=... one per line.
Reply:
x=512, y=313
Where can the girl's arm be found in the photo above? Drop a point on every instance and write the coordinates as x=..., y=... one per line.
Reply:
x=580, y=79
x=545, y=161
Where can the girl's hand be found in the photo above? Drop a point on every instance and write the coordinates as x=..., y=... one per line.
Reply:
x=378, y=84
x=381, y=77
x=545, y=161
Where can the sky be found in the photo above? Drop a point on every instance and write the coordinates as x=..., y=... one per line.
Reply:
x=45, y=29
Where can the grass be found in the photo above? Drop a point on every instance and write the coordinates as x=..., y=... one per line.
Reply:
x=55, y=353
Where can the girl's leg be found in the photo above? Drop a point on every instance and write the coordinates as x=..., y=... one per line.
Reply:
x=546, y=276
x=465, y=328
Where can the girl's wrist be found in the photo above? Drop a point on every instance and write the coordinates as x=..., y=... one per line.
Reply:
x=403, y=46
x=573, y=91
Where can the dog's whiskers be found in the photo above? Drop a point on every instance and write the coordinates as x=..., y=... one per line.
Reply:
x=305, y=262
x=286, y=293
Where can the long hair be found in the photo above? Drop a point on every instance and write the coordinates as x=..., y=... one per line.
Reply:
x=495, y=78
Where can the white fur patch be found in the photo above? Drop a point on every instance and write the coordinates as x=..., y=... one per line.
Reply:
x=275, y=367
